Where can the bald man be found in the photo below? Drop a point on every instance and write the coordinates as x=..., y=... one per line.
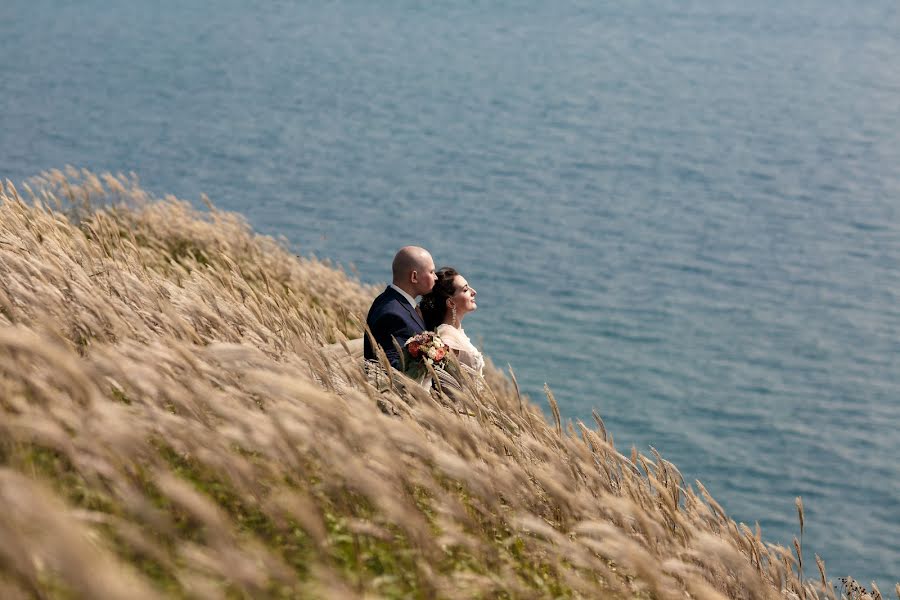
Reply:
x=393, y=315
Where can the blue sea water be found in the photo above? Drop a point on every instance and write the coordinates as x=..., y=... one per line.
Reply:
x=684, y=214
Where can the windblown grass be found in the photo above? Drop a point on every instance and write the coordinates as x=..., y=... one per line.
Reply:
x=171, y=427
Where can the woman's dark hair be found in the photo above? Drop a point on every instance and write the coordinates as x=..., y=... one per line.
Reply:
x=434, y=303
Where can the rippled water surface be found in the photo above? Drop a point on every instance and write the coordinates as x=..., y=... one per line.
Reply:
x=684, y=214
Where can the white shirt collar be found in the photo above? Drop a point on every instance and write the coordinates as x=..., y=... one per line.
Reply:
x=410, y=299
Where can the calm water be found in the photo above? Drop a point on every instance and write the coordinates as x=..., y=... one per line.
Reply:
x=684, y=214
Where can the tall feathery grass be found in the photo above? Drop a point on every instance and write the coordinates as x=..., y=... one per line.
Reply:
x=179, y=418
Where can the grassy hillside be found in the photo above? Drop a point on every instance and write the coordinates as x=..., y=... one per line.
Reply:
x=170, y=427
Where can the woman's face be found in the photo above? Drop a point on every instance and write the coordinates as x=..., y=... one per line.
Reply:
x=464, y=297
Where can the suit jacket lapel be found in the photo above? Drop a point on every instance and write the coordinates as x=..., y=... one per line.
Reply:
x=412, y=311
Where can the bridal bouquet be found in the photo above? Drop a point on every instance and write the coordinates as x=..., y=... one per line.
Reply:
x=424, y=350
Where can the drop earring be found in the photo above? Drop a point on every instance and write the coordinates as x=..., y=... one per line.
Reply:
x=453, y=314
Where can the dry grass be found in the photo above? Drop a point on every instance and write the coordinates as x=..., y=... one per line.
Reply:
x=171, y=427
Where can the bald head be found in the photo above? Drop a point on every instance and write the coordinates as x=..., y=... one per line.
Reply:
x=413, y=270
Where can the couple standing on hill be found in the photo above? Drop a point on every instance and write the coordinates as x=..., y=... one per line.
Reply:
x=446, y=299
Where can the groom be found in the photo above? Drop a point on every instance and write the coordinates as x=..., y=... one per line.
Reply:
x=393, y=315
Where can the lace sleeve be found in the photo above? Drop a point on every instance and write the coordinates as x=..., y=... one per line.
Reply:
x=450, y=337
x=459, y=341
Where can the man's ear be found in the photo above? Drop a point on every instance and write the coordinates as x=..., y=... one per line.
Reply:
x=414, y=276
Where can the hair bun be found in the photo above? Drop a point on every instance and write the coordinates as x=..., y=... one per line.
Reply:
x=433, y=304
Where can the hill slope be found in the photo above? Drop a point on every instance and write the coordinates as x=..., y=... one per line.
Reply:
x=170, y=426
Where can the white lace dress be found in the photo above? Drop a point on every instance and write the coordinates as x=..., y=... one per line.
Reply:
x=457, y=339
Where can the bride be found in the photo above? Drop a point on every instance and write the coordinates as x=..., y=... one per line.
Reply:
x=443, y=309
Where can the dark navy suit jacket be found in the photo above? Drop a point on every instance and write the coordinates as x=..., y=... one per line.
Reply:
x=391, y=317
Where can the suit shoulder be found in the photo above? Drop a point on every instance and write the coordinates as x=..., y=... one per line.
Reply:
x=380, y=300
x=385, y=305
x=390, y=307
